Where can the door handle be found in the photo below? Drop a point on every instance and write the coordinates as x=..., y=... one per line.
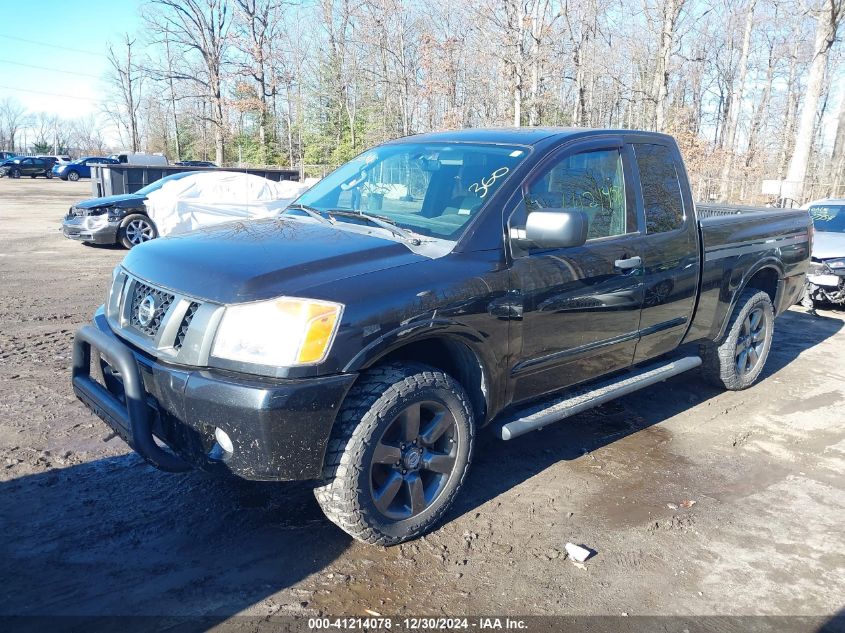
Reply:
x=629, y=263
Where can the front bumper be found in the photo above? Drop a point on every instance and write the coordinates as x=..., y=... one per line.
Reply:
x=827, y=279
x=279, y=428
x=74, y=228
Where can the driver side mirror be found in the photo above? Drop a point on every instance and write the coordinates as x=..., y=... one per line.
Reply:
x=555, y=228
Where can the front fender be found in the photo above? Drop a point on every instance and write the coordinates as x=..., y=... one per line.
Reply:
x=414, y=332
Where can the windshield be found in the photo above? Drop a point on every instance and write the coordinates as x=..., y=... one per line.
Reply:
x=828, y=218
x=431, y=189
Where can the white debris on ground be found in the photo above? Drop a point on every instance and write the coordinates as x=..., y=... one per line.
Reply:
x=577, y=552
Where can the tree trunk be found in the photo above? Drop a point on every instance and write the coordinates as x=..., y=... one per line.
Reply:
x=736, y=103
x=660, y=82
x=827, y=24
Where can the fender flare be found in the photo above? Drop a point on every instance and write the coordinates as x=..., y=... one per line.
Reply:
x=769, y=262
x=427, y=329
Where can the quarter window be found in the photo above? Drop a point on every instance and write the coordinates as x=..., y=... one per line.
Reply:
x=592, y=182
x=662, y=200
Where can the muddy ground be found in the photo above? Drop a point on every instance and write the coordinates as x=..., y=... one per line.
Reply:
x=88, y=528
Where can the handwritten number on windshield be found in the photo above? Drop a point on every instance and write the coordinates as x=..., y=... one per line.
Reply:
x=481, y=188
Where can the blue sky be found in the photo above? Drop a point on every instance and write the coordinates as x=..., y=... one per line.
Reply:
x=64, y=69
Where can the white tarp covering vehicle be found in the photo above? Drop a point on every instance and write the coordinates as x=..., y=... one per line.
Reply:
x=208, y=198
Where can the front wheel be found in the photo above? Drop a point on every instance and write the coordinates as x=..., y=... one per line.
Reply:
x=73, y=176
x=49, y=175
x=15, y=173
x=136, y=229
x=738, y=360
x=399, y=453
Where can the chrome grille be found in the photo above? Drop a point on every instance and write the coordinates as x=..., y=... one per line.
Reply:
x=162, y=301
x=185, y=324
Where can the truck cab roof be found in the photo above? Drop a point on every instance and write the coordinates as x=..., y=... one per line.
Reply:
x=528, y=136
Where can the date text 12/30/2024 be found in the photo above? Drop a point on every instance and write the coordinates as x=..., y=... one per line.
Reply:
x=415, y=624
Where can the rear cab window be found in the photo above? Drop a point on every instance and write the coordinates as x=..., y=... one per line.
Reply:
x=663, y=201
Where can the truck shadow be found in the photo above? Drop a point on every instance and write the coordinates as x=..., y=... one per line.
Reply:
x=499, y=466
x=116, y=537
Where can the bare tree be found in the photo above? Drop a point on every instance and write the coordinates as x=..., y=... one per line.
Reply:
x=670, y=11
x=13, y=116
x=828, y=17
x=200, y=28
x=126, y=79
x=736, y=97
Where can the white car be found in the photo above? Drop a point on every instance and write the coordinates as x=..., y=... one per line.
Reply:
x=826, y=278
x=140, y=159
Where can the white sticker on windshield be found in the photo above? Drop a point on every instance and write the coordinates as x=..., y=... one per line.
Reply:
x=515, y=153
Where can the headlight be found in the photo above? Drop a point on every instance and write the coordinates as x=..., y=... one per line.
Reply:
x=281, y=333
x=94, y=222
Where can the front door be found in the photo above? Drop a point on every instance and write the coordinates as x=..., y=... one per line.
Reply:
x=581, y=305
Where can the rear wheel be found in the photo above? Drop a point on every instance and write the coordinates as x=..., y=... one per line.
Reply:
x=136, y=229
x=49, y=174
x=737, y=361
x=398, y=455
x=73, y=176
x=15, y=173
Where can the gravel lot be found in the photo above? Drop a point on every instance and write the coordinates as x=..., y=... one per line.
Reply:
x=88, y=528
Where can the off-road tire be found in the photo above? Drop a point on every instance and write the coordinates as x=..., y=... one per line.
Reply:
x=123, y=235
x=371, y=406
x=720, y=363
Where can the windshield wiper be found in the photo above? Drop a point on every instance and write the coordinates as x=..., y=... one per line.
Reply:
x=379, y=221
x=311, y=211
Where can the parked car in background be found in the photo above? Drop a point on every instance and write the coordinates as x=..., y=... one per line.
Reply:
x=31, y=166
x=140, y=159
x=81, y=167
x=430, y=287
x=177, y=204
x=826, y=278
x=4, y=156
x=120, y=219
x=58, y=159
x=195, y=163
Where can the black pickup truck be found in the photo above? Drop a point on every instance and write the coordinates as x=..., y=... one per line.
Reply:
x=433, y=286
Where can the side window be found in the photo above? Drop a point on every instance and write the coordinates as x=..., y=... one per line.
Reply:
x=592, y=182
x=662, y=199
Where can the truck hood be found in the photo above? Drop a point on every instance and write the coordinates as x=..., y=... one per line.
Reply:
x=262, y=259
x=827, y=245
x=122, y=200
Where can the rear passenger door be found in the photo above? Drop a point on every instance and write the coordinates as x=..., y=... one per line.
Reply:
x=671, y=257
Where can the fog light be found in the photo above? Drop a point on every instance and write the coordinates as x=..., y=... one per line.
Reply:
x=224, y=440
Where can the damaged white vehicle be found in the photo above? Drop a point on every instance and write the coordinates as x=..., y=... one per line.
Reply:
x=177, y=204
x=826, y=278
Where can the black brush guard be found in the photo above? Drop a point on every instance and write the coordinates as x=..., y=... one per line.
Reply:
x=132, y=419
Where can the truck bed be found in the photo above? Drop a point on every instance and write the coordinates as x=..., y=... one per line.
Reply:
x=737, y=243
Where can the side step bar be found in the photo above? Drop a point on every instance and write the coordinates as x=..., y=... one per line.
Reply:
x=538, y=416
